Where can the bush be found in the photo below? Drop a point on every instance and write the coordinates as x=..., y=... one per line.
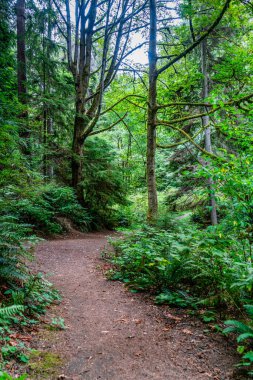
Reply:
x=204, y=263
x=104, y=186
x=150, y=258
x=13, y=252
x=244, y=330
x=42, y=207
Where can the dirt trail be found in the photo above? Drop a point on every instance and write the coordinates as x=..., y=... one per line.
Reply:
x=115, y=335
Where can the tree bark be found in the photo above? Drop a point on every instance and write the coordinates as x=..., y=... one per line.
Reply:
x=21, y=73
x=81, y=122
x=48, y=169
x=151, y=119
x=21, y=56
x=206, y=123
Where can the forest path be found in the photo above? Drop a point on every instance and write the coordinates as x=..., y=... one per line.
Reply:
x=115, y=335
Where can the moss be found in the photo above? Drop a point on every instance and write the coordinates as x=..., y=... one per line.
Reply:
x=43, y=364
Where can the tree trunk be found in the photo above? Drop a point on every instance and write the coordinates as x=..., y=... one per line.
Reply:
x=151, y=120
x=21, y=73
x=206, y=123
x=21, y=56
x=48, y=169
x=81, y=121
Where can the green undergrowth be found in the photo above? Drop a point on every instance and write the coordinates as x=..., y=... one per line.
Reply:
x=201, y=263
x=208, y=271
x=24, y=296
x=21, y=310
x=44, y=207
x=6, y=376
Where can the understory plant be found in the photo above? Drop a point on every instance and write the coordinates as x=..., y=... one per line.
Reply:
x=207, y=264
x=44, y=207
x=24, y=296
x=148, y=258
x=244, y=332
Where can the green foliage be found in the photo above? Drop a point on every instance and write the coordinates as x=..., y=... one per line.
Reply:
x=103, y=183
x=24, y=306
x=244, y=330
x=43, y=207
x=203, y=264
x=12, y=249
x=179, y=299
x=150, y=258
x=6, y=376
x=184, y=263
x=58, y=324
x=37, y=295
x=10, y=310
x=14, y=352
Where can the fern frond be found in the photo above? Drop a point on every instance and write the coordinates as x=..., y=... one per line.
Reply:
x=249, y=309
x=238, y=327
x=245, y=336
x=11, y=310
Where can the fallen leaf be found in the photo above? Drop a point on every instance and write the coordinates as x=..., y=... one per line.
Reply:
x=173, y=317
x=186, y=331
x=13, y=343
x=124, y=320
x=137, y=321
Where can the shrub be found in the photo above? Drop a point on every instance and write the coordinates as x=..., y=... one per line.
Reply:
x=244, y=330
x=42, y=207
x=13, y=251
x=204, y=263
x=150, y=258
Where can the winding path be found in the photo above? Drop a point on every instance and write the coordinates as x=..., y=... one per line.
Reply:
x=114, y=335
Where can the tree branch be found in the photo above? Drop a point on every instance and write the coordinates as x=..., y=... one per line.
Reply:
x=190, y=139
x=108, y=128
x=197, y=42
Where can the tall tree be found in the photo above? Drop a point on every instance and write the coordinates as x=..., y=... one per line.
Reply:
x=21, y=72
x=48, y=168
x=101, y=42
x=154, y=74
x=152, y=114
x=207, y=127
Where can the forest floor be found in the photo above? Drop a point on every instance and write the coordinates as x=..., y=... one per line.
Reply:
x=112, y=334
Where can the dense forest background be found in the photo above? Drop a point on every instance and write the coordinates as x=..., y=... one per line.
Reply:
x=93, y=137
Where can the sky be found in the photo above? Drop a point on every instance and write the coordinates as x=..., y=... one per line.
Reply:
x=139, y=56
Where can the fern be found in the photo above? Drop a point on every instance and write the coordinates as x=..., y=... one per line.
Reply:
x=11, y=310
x=245, y=332
x=237, y=327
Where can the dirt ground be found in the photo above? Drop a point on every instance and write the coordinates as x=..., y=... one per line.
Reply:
x=115, y=335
